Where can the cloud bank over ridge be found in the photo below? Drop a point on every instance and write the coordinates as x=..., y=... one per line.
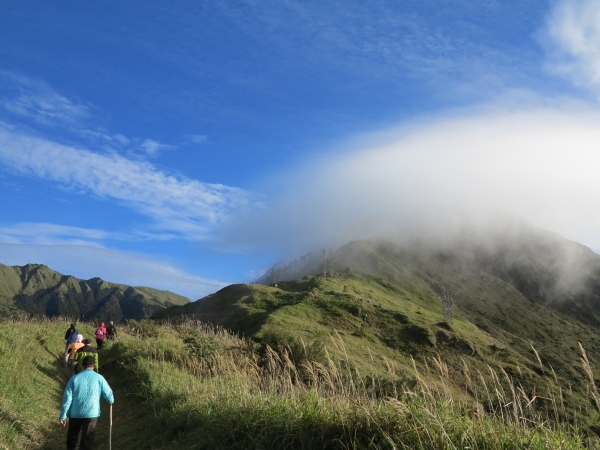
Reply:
x=517, y=158
x=538, y=164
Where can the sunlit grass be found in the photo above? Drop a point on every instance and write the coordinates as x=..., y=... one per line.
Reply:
x=193, y=386
x=31, y=381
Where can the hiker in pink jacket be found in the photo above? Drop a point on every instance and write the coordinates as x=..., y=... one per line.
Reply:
x=100, y=334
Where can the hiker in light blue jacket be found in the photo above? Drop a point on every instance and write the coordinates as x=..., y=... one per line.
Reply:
x=81, y=404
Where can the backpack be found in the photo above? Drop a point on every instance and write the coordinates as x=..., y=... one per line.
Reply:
x=71, y=335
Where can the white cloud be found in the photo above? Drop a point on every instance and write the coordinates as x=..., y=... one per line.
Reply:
x=153, y=148
x=573, y=35
x=33, y=99
x=54, y=234
x=135, y=269
x=538, y=164
x=27, y=98
x=174, y=203
x=121, y=139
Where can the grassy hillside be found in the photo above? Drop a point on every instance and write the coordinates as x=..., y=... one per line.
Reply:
x=386, y=307
x=38, y=290
x=191, y=386
x=362, y=359
x=381, y=322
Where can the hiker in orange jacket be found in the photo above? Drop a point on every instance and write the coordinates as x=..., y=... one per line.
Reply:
x=72, y=350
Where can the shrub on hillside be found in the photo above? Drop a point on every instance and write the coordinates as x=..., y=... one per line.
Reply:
x=202, y=345
x=143, y=328
x=298, y=351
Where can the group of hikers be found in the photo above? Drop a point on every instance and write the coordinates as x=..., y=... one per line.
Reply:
x=77, y=348
x=81, y=398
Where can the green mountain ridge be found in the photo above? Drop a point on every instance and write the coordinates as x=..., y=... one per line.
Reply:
x=36, y=289
x=520, y=299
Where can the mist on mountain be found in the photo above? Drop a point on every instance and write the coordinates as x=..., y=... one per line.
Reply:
x=435, y=180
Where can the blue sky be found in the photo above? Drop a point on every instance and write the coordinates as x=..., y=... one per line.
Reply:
x=188, y=146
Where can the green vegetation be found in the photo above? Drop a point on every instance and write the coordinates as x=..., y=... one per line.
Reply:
x=359, y=360
x=37, y=290
x=194, y=386
x=522, y=305
x=383, y=320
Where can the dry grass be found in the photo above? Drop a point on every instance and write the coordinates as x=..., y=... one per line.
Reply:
x=198, y=386
x=346, y=409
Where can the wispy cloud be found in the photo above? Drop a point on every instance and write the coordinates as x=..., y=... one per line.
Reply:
x=174, y=203
x=35, y=100
x=441, y=45
x=22, y=98
x=572, y=37
x=536, y=164
x=197, y=139
x=153, y=148
x=51, y=234
x=135, y=269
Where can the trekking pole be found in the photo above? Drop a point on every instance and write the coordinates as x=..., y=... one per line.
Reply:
x=110, y=430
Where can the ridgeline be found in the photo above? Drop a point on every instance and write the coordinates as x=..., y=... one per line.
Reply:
x=37, y=290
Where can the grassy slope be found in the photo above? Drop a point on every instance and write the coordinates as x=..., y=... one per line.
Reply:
x=168, y=398
x=392, y=319
x=31, y=383
x=10, y=284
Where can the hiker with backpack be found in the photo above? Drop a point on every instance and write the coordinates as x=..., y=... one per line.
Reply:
x=82, y=353
x=100, y=334
x=70, y=336
x=111, y=330
x=81, y=405
x=70, y=357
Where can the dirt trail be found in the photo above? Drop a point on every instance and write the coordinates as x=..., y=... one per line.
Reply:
x=127, y=410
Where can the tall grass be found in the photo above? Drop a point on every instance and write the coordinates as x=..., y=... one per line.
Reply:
x=194, y=386
x=238, y=398
x=31, y=382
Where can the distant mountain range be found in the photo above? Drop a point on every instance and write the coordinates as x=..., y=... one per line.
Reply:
x=36, y=289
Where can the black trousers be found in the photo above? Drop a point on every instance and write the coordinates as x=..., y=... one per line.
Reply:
x=87, y=428
x=99, y=343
